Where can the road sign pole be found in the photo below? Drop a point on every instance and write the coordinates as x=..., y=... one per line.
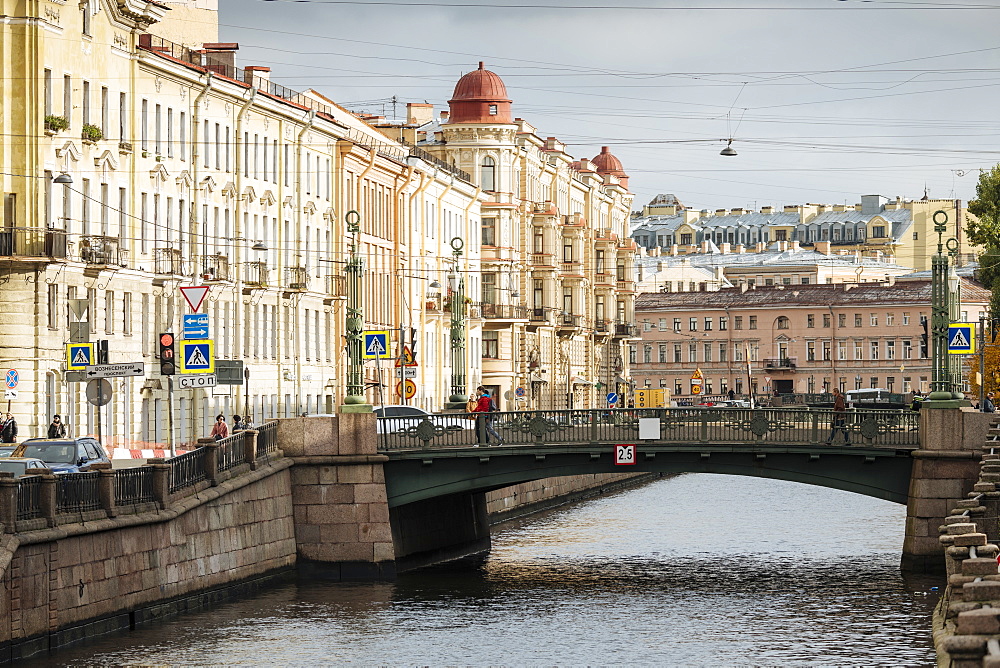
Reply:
x=170, y=415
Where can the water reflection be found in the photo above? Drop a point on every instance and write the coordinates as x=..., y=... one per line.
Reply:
x=693, y=570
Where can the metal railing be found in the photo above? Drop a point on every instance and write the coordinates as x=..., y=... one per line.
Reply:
x=267, y=441
x=336, y=285
x=622, y=329
x=418, y=152
x=540, y=315
x=296, y=278
x=29, y=498
x=779, y=363
x=567, y=320
x=77, y=492
x=502, y=311
x=40, y=242
x=187, y=469
x=168, y=261
x=101, y=250
x=678, y=426
x=215, y=268
x=133, y=486
x=255, y=275
x=231, y=452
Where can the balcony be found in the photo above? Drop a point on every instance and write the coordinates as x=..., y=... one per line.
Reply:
x=168, y=261
x=255, y=275
x=296, y=278
x=573, y=268
x=624, y=330
x=336, y=285
x=601, y=326
x=625, y=286
x=540, y=316
x=780, y=363
x=600, y=278
x=565, y=321
x=502, y=311
x=101, y=251
x=32, y=244
x=215, y=268
x=542, y=260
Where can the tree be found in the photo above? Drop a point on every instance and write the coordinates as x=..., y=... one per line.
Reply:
x=984, y=230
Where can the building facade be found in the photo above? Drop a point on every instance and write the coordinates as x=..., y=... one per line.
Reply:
x=805, y=338
x=145, y=165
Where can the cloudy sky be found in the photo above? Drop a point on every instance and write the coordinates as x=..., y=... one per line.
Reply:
x=825, y=100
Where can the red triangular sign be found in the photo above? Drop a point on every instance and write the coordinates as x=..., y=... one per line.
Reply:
x=194, y=295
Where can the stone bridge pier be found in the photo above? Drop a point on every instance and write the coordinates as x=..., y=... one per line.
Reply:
x=945, y=469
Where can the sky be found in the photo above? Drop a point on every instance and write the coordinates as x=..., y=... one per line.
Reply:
x=824, y=100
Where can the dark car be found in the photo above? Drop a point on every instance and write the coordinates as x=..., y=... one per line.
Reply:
x=64, y=455
x=7, y=450
x=20, y=466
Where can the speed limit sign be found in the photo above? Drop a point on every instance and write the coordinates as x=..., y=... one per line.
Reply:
x=624, y=455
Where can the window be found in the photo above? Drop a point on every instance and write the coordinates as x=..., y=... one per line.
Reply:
x=487, y=174
x=692, y=352
x=662, y=354
x=708, y=324
x=677, y=353
x=489, y=231
x=708, y=352
x=493, y=110
x=48, y=92
x=878, y=231
x=810, y=320
x=144, y=126
x=68, y=99
x=857, y=320
x=647, y=326
x=738, y=322
x=805, y=280
x=631, y=354
x=890, y=319
x=647, y=354
x=723, y=352
x=906, y=318
x=890, y=349
x=841, y=350
x=811, y=351
x=491, y=344
x=677, y=324
x=826, y=351
x=841, y=320
x=907, y=349
x=874, y=349
x=858, y=351
x=782, y=322
x=723, y=323
x=873, y=319
x=686, y=240
x=662, y=325
x=693, y=324
x=753, y=322
x=826, y=320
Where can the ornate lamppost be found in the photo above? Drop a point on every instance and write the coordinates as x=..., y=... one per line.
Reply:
x=354, y=402
x=944, y=298
x=456, y=284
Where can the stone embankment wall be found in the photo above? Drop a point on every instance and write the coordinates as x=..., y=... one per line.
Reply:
x=530, y=497
x=967, y=619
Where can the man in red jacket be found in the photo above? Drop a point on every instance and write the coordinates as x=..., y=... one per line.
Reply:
x=486, y=405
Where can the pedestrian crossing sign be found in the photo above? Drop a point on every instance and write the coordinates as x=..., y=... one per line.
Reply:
x=79, y=356
x=376, y=345
x=197, y=356
x=962, y=338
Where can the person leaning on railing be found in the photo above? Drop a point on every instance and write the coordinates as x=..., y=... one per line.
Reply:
x=839, y=418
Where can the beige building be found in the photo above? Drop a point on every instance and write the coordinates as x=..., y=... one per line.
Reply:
x=557, y=264
x=145, y=166
x=898, y=231
x=802, y=338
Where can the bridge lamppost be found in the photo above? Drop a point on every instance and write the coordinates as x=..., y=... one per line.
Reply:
x=456, y=284
x=944, y=298
x=354, y=402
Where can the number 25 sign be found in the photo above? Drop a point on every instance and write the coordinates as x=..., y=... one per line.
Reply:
x=624, y=455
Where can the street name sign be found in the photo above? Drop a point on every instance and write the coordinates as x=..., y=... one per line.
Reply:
x=200, y=380
x=115, y=370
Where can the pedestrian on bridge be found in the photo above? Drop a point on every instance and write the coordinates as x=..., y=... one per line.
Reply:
x=8, y=429
x=484, y=422
x=220, y=429
x=839, y=418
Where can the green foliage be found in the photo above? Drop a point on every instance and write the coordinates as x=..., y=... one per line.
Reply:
x=56, y=123
x=92, y=133
x=985, y=231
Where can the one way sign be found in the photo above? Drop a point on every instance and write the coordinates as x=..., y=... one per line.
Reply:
x=376, y=345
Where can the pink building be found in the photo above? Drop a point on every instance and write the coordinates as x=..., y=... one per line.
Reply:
x=801, y=338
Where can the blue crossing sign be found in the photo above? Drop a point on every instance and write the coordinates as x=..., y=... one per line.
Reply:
x=79, y=356
x=197, y=356
x=376, y=345
x=961, y=338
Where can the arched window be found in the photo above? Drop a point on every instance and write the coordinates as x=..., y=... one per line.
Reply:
x=782, y=322
x=487, y=174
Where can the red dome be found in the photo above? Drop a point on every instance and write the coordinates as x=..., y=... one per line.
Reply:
x=607, y=163
x=480, y=97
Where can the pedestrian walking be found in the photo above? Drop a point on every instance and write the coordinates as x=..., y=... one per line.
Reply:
x=238, y=424
x=8, y=429
x=56, y=428
x=220, y=429
x=470, y=405
x=839, y=418
x=484, y=422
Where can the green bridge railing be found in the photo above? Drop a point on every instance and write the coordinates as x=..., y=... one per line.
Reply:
x=677, y=426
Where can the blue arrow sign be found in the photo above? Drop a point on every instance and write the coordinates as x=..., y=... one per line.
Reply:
x=612, y=398
x=196, y=326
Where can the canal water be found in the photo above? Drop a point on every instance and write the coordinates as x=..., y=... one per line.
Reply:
x=694, y=570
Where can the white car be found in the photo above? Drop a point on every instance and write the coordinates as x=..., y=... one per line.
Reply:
x=411, y=416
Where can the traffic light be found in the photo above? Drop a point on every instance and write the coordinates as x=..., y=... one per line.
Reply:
x=101, y=350
x=168, y=365
x=923, y=338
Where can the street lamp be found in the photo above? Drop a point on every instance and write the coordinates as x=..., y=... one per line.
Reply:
x=456, y=284
x=354, y=402
x=944, y=288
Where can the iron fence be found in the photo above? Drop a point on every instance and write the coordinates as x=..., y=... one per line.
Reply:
x=134, y=485
x=187, y=469
x=677, y=426
x=77, y=492
x=35, y=242
x=29, y=497
x=231, y=452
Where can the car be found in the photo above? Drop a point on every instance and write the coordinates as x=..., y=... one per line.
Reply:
x=411, y=416
x=65, y=455
x=20, y=466
x=7, y=450
x=732, y=403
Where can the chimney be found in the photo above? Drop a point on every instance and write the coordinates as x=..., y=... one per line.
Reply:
x=736, y=212
x=704, y=246
x=740, y=248
x=220, y=57
x=725, y=248
x=253, y=75
x=720, y=212
x=767, y=210
x=655, y=252
x=822, y=247
x=673, y=250
x=659, y=266
x=794, y=244
x=419, y=113
x=444, y=116
x=743, y=287
x=890, y=280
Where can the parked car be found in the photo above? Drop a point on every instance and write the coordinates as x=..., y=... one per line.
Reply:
x=414, y=416
x=64, y=455
x=20, y=466
x=7, y=450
